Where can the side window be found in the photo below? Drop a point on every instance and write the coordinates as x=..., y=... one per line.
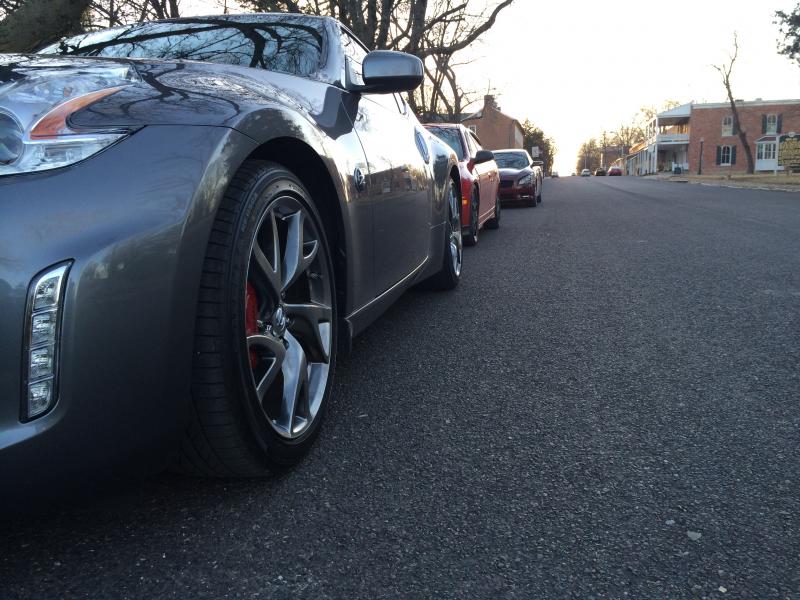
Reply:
x=475, y=141
x=727, y=125
x=470, y=145
x=355, y=54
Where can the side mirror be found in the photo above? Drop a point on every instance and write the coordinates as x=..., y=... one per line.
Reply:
x=387, y=72
x=483, y=156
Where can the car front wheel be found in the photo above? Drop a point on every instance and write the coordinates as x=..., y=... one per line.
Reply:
x=265, y=338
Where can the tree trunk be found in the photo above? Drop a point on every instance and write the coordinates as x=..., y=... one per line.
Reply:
x=39, y=22
x=725, y=71
x=742, y=135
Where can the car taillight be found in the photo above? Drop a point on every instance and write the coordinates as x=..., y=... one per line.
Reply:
x=42, y=337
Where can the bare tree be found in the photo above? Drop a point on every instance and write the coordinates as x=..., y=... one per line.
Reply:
x=627, y=136
x=110, y=13
x=588, y=156
x=33, y=23
x=725, y=71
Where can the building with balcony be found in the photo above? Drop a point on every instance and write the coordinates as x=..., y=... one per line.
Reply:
x=701, y=137
x=667, y=144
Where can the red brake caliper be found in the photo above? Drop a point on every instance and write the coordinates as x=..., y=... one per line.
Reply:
x=250, y=317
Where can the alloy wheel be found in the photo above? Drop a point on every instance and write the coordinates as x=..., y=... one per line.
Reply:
x=288, y=317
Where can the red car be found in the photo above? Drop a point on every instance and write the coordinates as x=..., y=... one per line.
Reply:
x=480, y=179
x=615, y=171
x=520, y=176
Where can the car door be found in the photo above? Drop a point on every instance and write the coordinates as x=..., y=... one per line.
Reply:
x=397, y=182
x=488, y=178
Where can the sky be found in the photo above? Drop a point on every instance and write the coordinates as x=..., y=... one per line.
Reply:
x=578, y=68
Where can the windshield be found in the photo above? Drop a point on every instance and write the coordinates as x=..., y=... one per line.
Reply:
x=511, y=160
x=287, y=47
x=451, y=137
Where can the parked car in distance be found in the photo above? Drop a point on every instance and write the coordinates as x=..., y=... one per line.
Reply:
x=480, y=179
x=554, y=174
x=586, y=173
x=599, y=172
x=520, y=179
x=197, y=255
x=615, y=171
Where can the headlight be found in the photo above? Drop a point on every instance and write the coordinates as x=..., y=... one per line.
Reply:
x=526, y=180
x=10, y=139
x=35, y=108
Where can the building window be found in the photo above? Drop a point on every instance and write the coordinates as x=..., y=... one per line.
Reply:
x=772, y=124
x=727, y=126
x=473, y=128
x=766, y=151
x=725, y=156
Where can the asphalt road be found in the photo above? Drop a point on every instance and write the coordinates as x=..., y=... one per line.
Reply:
x=607, y=407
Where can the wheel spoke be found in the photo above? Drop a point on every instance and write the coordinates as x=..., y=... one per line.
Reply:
x=295, y=386
x=267, y=276
x=278, y=354
x=306, y=325
x=299, y=252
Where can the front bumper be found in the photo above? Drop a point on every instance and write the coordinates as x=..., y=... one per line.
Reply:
x=515, y=193
x=135, y=221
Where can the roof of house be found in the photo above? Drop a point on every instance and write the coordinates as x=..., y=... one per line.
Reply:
x=757, y=102
x=684, y=110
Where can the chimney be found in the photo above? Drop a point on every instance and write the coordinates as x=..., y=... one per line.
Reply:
x=489, y=101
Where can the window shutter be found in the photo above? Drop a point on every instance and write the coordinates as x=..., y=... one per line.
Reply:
x=719, y=155
x=735, y=128
x=780, y=124
x=733, y=155
x=763, y=124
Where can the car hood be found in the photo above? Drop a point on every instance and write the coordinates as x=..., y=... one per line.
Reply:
x=509, y=173
x=172, y=92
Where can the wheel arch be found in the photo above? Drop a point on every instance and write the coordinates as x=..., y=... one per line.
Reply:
x=306, y=163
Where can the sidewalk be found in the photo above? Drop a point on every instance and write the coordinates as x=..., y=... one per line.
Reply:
x=789, y=182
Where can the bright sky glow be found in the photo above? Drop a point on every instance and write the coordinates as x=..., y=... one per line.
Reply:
x=577, y=68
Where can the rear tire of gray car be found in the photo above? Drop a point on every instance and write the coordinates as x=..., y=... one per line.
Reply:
x=265, y=333
x=450, y=274
x=494, y=222
x=471, y=238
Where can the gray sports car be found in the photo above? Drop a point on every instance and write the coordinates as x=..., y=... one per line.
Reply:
x=195, y=215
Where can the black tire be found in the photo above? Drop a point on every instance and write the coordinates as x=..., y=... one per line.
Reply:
x=450, y=273
x=539, y=192
x=471, y=237
x=494, y=222
x=247, y=309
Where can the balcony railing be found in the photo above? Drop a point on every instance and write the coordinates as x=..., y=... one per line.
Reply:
x=674, y=138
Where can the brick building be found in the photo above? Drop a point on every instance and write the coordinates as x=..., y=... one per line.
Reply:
x=495, y=129
x=722, y=148
x=675, y=137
